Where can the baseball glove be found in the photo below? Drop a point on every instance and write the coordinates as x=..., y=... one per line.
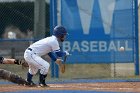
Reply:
x=61, y=66
x=64, y=64
x=7, y=75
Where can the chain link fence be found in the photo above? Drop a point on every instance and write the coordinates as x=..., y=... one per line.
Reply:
x=17, y=26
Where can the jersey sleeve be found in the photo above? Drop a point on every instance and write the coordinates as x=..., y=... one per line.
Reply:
x=56, y=49
x=60, y=53
x=52, y=56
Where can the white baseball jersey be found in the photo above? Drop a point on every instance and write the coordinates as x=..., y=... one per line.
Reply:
x=45, y=45
x=33, y=54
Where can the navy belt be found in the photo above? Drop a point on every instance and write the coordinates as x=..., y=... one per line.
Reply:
x=30, y=49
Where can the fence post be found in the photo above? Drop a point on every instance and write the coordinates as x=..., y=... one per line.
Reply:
x=39, y=18
x=53, y=23
x=137, y=39
x=13, y=52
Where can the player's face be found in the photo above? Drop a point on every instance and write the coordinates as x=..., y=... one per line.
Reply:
x=63, y=38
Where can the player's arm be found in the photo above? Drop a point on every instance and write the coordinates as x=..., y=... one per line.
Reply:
x=56, y=59
x=55, y=56
x=10, y=61
x=7, y=60
x=52, y=56
x=56, y=53
x=56, y=49
x=61, y=53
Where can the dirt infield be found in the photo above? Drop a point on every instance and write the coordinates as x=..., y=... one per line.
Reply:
x=114, y=87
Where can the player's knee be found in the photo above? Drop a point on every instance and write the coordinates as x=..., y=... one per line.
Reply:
x=33, y=72
x=45, y=69
x=47, y=65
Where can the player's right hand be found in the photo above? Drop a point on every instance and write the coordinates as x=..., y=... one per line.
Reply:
x=58, y=62
x=67, y=53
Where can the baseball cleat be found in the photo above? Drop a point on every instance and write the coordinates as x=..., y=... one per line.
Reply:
x=44, y=85
x=30, y=84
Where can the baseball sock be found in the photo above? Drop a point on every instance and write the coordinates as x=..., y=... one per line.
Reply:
x=29, y=77
x=42, y=78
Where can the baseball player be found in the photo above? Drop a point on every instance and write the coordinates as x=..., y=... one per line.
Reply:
x=10, y=61
x=50, y=46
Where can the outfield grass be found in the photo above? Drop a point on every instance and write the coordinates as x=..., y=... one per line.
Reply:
x=73, y=71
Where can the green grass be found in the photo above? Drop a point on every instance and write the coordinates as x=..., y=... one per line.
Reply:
x=73, y=71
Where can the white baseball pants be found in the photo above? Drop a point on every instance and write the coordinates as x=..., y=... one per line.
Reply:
x=36, y=63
